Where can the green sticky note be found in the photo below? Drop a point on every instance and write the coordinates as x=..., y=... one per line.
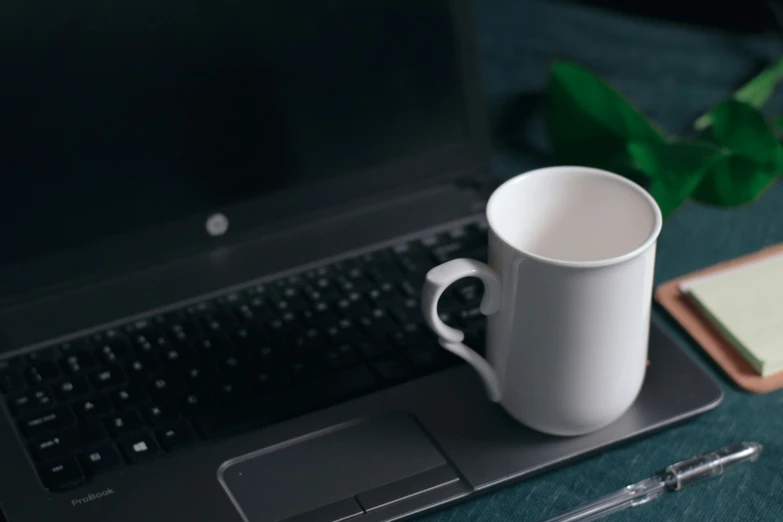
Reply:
x=745, y=303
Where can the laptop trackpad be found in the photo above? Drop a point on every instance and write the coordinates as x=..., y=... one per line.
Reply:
x=337, y=473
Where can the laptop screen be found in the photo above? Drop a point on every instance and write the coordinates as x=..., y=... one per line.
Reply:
x=123, y=114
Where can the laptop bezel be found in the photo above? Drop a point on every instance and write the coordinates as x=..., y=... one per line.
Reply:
x=188, y=236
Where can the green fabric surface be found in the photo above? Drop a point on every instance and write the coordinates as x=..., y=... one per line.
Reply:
x=674, y=73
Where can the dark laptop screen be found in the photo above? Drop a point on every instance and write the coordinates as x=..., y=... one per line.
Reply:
x=121, y=114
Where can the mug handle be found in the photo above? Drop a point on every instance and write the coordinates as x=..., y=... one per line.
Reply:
x=438, y=279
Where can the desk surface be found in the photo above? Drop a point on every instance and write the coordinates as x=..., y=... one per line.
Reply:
x=673, y=74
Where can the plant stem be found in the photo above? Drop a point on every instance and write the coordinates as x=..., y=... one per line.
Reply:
x=755, y=92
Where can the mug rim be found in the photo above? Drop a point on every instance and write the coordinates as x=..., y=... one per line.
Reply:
x=658, y=218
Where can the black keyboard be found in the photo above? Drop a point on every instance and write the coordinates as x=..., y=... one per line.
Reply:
x=238, y=362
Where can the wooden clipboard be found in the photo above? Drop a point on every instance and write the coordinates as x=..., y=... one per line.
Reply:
x=685, y=312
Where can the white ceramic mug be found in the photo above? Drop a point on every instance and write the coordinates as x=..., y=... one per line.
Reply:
x=568, y=294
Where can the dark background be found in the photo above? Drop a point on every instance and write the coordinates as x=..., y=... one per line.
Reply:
x=749, y=16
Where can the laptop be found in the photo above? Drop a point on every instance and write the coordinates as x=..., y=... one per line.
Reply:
x=218, y=218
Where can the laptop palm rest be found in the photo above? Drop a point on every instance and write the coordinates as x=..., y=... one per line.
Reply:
x=351, y=470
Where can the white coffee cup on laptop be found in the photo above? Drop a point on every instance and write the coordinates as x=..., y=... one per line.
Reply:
x=568, y=294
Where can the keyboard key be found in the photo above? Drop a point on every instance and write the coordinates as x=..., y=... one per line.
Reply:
x=78, y=361
x=412, y=334
x=409, y=289
x=229, y=300
x=231, y=364
x=41, y=372
x=174, y=356
x=476, y=326
x=199, y=309
x=7, y=364
x=284, y=326
x=377, y=322
x=466, y=315
x=214, y=344
x=139, y=447
x=129, y=396
x=256, y=309
x=247, y=337
x=407, y=311
x=319, y=317
x=234, y=392
x=412, y=259
x=344, y=332
x=426, y=358
x=199, y=400
x=11, y=381
x=455, y=248
x=160, y=413
x=458, y=232
x=469, y=291
x=106, y=336
x=342, y=357
x=66, y=441
x=165, y=386
x=100, y=460
x=267, y=353
x=270, y=379
x=61, y=474
x=122, y=423
x=142, y=365
x=42, y=423
x=383, y=294
x=321, y=288
x=310, y=342
x=352, y=306
x=72, y=388
x=114, y=349
x=303, y=370
x=220, y=322
x=149, y=342
x=177, y=436
x=75, y=346
x=95, y=407
x=36, y=399
x=49, y=354
x=49, y=448
x=291, y=303
x=146, y=326
x=199, y=375
x=109, y=376
x=14, y=362
x=184, y=333
x=375, y=346
x=385, y=272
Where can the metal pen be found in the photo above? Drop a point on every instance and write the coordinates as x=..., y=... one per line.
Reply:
x=673, y=478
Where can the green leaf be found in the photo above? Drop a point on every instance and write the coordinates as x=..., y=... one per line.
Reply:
x=759, y=89
x=590, y=123
x=734, y=180
x=741, y=128
x=676, y=169
x=756, y=92
x=777, y=126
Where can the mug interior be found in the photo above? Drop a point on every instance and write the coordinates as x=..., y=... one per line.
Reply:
x=574, y=215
